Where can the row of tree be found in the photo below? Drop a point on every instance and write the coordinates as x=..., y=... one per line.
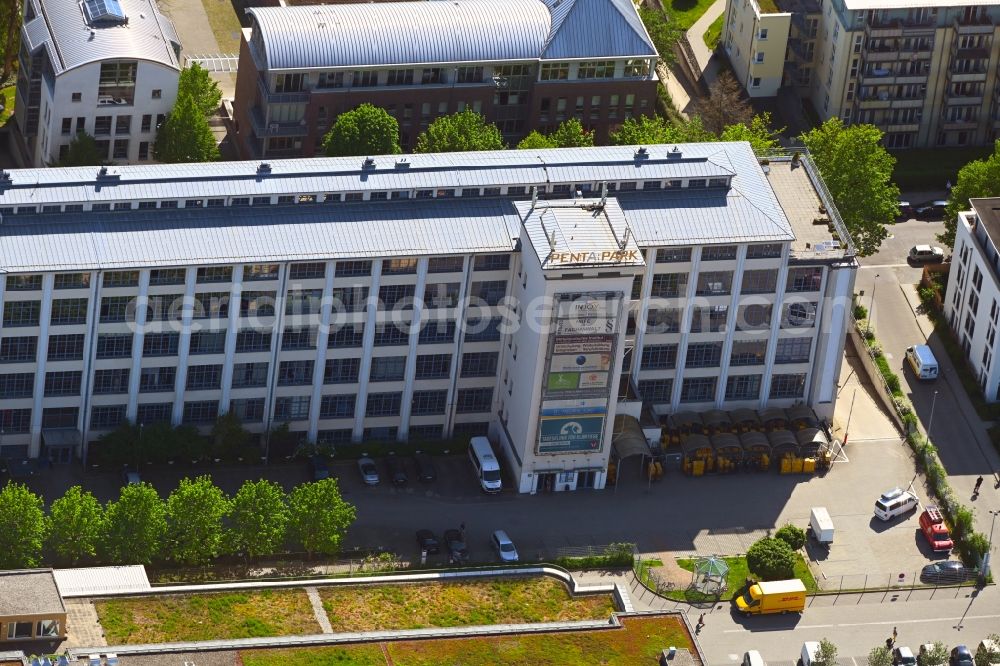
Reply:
x=185, y=135
x=194, y=525
x=977, y=179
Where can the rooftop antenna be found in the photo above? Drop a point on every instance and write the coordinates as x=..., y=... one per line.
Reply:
x=604, y=192
x=534, y=196
x=628, y=232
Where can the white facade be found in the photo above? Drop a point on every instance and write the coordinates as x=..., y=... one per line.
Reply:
x=112, y=77
x=972, y=298
x=481, y=309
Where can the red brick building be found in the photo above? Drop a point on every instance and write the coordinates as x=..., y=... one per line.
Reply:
x=524, y=64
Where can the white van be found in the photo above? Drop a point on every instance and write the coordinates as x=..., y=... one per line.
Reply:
x=753, y=658
x=922, y=361
x=485, y=463
x=894, y=503
x=810, y=651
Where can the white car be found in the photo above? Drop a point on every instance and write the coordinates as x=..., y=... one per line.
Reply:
x=504, y=546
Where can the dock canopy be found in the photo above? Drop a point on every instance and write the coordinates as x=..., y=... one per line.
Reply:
x=689, y=422
x=802, y=417
x=745, y=419
x=773, y=418
x=727, y=444
x=628, y=439
x=811, y=442
x=717, y=421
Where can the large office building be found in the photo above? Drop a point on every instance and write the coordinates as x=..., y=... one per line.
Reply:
x=524, y=64
x=529, y=295
x=105, y=67
x=925, y=73
x=972, y=298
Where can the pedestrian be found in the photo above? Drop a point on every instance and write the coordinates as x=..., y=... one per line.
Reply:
x=701, y=620
x=894, y=635
x=979, y=482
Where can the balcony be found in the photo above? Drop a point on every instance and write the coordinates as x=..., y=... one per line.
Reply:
x=300, y=97
x=881, y=55
x=903, y=127
x=963, y=99
x=874, y=102
x=976, y=25
x=878, y=76
x=262, y=128
x=907, y=102
x=959, y=124
x=977, y=75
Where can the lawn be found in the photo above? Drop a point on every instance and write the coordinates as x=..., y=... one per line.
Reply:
x=736, y=578
x=8, y=104
x=375, y=607
x=225, y=24
x=201, y=617
x=932, y=168
x=714, y=32
x=686, y=12
x=639, y=641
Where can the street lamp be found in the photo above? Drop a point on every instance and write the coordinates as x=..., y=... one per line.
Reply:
x=930, y=422
x=985, y=573
x=871, y=307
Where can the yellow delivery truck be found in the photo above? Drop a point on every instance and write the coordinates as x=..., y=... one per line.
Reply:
x=776, y=596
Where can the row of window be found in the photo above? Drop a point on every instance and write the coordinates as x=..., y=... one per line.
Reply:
x=714, y=319
x=709, y=354
x=738, y=387
x=720, y=283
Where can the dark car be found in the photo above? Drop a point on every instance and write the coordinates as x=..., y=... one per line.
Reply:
x=961, y=656
x=427, y=541
x=905, y=210
x=457, y=550
x=130, y=476
x=319, y=467
x=425, y=467
x=930, y=210
x=948, y=571
x=397, y=470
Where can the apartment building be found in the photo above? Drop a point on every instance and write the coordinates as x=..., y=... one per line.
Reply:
x=105, y=67
x=524, y=64
x=925, y=74
x=972, y=298
x=528, y=295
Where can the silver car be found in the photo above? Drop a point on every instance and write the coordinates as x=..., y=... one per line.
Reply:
x=369, y=473
x=504, y=546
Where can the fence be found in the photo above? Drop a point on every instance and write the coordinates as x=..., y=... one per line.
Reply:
x=901, y=581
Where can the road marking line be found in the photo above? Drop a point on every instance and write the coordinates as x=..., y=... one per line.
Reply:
x=872, y=624
x=885, y=266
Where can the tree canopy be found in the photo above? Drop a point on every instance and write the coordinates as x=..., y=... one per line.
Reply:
x=857, y=170
x=75, y=522
x=978, y=178
x=22, y=527
x=771, y=559
x=319, y=516
x=83, y=151
x=570, y=134
x=195, y=81
x=185, y=135
x=194, y=513
x=465, y=130
x=365, y=130
x=134, y=525
x=646, y=131
x=259, y=519
x=725, y=105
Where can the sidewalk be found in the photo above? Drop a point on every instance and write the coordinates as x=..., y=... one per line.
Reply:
x=696, y=34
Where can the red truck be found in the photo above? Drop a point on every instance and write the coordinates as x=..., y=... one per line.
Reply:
x=935, y=531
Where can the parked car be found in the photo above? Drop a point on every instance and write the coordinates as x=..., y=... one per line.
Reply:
x=320, y=468
x=930, y=210
x=948, y=571
x=926, y=254
x=130, y=476
x=935, y=531
x=504, y=546
x=427, y=541
x=905, y=210
x=369, y=473
x=903, y=656
x=457, y=550
x=397, y=470
x=425, y=467
x=894, y=503
x=752, y=658
x=961, y=656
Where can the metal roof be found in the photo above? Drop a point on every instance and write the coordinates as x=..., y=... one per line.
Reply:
x=746, y=211
x=97, y=581
x=449, y=31
x=280, y=233
x=596, y=28
x=590, y=231
x=71, y=40
x=29, y=592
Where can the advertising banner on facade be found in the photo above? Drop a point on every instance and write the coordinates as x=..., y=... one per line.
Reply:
x=583, y=344
x=565, y=434
x=580, y=363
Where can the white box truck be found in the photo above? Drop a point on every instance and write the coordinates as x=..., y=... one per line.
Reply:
x=820, y=525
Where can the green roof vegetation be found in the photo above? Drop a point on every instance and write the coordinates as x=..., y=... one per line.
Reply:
x=768, y=7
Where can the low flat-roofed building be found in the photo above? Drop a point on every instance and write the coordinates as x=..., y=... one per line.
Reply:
x=30, y=606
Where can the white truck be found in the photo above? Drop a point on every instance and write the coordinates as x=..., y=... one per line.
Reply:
x=821, y=525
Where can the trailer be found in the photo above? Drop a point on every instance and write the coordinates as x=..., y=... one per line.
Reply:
x=820, y=525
